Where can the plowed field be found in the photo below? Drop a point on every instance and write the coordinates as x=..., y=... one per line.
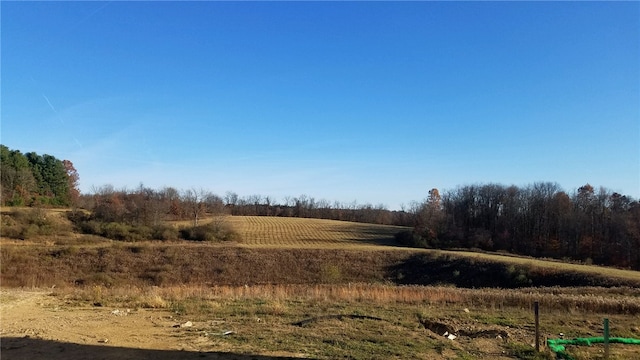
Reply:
x=276, y=231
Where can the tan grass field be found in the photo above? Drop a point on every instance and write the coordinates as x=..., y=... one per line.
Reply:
x=258, y=231
x=339, y=278
x=301, y=232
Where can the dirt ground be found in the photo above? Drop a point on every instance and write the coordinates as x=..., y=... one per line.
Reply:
x=36, y=325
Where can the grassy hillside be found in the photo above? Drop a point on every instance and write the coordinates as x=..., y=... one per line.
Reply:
x=259, y=231
x=279, y=250
x=299, y=232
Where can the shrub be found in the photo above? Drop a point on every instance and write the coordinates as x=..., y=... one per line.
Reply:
x=78, y=216
x=138, y=233
x=198, y=233
x=29, y=231
x=164, y=232
x=518, y=276
x=10, y=227
x=26, y=224
x=90, y=227
x=331, y=273
x=409, y=238
x=116, y=231
x=215, y=231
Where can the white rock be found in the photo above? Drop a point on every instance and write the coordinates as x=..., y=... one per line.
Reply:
x=187, y=324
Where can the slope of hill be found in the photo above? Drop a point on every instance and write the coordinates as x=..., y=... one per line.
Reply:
x=282, y=250
x=300, y=232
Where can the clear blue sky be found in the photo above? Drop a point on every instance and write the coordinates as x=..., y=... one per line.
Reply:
x=376, y=102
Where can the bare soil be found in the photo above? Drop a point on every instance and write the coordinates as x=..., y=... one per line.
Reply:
x=36, y=325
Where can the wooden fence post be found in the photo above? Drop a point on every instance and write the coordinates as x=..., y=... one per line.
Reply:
x=606, y=339
x=537, y=315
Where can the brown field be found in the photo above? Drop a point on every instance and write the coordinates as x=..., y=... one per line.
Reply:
x=296, y=232
x=298, y=288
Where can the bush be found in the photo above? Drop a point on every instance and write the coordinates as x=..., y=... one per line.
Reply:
x=518, y=276
x=26, y=224
x=10, y=227
x=215, y=231
x=125, y=232
x=116, y=231
x=139, y=233
x=78, y=216
x=164, y=232
x=197, y=233
x=122, y=231
x=409, y=238
x=331, y=274
x=90, y=227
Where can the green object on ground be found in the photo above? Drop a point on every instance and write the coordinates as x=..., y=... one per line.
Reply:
x=557, y=345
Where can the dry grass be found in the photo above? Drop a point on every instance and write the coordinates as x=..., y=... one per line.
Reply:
x=146, y=263
x=275, y=232
x=364, y=321
x=297, y=232
x=551, y=265
x=572, y=300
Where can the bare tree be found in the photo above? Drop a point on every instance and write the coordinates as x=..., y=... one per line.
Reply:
x=195, y=202
x=230, y=198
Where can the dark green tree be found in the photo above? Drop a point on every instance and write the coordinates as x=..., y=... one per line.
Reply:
x=31, y=179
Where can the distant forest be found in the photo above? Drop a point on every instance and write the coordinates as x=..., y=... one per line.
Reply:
x=31, y=179
x=541, y=220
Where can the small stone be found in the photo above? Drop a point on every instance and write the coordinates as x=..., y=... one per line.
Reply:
x=466, y=310
x=104, y=341
x=187, y=324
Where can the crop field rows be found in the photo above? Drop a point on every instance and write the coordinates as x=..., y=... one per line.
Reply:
x=274, y=231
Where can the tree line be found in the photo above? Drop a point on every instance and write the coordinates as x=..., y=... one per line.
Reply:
x=147, y=206
x=31, y=179
x=541, y=220
x=305, y=206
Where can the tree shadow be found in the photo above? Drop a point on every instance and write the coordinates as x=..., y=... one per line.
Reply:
x=435, y=269
x=373, y=236
x=17, y=348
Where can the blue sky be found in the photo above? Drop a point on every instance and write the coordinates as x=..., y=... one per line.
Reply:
x=376, y=102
